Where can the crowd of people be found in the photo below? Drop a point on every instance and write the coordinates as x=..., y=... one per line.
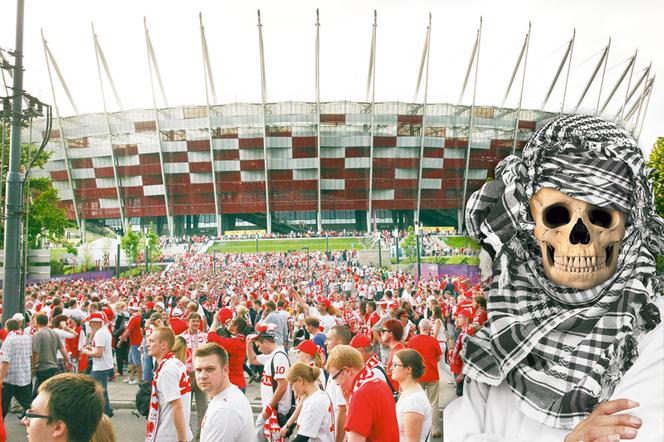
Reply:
x=341, y=350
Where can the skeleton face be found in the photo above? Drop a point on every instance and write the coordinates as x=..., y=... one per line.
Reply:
x=579, y=241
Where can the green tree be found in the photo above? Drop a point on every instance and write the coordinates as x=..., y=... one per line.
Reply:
x=45, y=218
x=131, y=244
x=656, y=162
x=408, y=243
x=153, y=244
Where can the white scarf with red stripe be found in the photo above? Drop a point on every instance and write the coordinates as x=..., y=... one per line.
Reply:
x=153, y=415
x=367, y=374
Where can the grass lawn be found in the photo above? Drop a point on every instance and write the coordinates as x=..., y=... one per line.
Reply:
x=283, y=245
x=460, y=241
x=57, y=252
x=455, y=259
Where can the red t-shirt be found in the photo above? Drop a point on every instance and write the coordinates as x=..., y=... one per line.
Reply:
x=396, y=348
x=429, y=349
x=134, y=327
x=372, y=413
x=178, y=325
x=237, y=352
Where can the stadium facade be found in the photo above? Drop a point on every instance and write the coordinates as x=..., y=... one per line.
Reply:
x=340, y=165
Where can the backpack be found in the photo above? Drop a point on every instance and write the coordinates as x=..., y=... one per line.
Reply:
x=143, y=397
x=395, y=394
x=283, y=418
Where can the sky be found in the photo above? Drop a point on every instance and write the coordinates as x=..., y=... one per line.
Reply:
x=345, y=37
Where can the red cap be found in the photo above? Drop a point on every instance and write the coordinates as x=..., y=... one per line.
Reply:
x=323, y=300
x=360, y=341
x=96, y=316
x=307, y=346
x=225, y=314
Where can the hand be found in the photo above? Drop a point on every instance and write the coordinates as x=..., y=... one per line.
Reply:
x=284, y=431
x=604, y=425
x=68, y=365
x=267, y=411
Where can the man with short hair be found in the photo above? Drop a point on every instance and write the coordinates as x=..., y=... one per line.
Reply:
x=371, y=411
x=276, y=396
x=195, y=338
x=135, y=335
x=271, y=316
x=228, y=416
x=68, y=408
x=45, y=345
x=338, y=335
x=101, y=352
x=428, y=347
x=170, y=401
x=15, y=373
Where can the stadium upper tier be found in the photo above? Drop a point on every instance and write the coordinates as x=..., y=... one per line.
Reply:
x=233, y=166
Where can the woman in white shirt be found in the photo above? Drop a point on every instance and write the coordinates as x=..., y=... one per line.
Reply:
x=316, y=420
x=413, y=407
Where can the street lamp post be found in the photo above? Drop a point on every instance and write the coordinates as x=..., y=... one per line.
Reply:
x=257, y=243
x=419, y=259
x=396, y=237
x=380, y=251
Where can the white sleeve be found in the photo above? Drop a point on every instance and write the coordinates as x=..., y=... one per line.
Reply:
x=169, y=381
x=100, y=339
x=221, y=425
x=417, y=404
x=263, y=360
x=341, y=400
x=314, y=410
x=281, y=365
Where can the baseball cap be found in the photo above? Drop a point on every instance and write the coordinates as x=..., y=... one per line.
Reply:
x=360, y=341
x=18, y=317
x=307, y=346
x=224, y=315
x=323, y=300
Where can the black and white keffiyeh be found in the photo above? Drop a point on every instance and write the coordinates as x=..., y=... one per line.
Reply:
x=563, y=350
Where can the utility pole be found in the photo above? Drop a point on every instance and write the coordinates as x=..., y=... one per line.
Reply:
x=419, y=259
x=14, y=193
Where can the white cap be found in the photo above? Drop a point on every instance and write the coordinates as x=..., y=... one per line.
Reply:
x=18, y=317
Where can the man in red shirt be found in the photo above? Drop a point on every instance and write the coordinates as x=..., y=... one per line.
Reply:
x=391, y=335
x=371, y=414
x=428, y=347
x=135, y=335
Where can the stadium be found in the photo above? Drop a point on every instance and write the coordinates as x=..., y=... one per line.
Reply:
x=294, y=166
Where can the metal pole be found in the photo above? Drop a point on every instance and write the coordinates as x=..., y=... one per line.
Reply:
x=418, y=207
x=419, y=259
x=268, y=213
x=601, y=83
x=569, y=67
x=26, y=182
x=14, y=202
x=380, y=252
x=117, y=260
x=319, y=207
x=372, y=70
x=526, y=46
x=602, y=59
x=461, y=221
x=257, y=243
x=397, y=245
x=327, y=242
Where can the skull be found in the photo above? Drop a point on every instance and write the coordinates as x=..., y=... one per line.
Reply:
x=579, y=241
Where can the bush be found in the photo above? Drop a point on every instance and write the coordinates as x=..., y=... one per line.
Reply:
x=57, y=267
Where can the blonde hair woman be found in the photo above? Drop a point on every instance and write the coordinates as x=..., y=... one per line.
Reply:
x=316, y=417
x=104, y=431
x=180, y=348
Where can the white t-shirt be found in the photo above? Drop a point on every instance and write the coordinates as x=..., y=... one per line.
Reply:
x=172, y=384
x=281, y=365
x=103, y=339
x=316, y=420
x=327, y=321
x=493, y=413
x=334, y=392
x=414, y=402
x=228, y=418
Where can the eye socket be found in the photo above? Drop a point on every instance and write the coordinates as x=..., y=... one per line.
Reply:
x=556, y=216
x=600, y=217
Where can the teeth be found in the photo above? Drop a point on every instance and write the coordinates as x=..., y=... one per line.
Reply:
x=579, y=264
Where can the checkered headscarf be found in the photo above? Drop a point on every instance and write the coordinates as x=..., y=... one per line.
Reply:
x=563, y=350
